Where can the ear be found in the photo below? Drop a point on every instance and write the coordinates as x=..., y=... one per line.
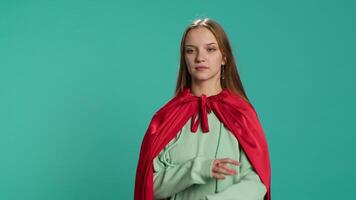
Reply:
x=224, y=61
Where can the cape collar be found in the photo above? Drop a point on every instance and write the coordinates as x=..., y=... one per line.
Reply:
x=188, y=93
x=201, y=116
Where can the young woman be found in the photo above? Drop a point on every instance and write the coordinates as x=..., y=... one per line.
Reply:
x=206, y=143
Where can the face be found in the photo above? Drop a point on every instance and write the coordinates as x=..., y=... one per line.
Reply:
x=202, y=55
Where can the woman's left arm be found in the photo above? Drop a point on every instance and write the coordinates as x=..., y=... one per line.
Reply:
x=249, y=187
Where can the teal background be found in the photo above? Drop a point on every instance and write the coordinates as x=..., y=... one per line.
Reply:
x=80, y=81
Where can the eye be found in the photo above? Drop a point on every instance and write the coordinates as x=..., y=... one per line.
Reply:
x=189, y=50
x=211, y=49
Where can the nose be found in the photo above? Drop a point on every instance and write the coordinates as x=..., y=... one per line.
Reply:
x=200, y=56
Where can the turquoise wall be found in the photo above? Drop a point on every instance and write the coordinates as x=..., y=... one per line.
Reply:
x=80, y=81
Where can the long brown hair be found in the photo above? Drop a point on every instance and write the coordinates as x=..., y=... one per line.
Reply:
x=232, y=79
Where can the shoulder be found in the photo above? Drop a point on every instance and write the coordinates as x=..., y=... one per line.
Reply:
x=239, y=103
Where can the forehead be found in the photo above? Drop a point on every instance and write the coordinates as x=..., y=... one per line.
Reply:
x=200, y=36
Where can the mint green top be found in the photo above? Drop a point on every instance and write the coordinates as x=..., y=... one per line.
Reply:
x=183, y=169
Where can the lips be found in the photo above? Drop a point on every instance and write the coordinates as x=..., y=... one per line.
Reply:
x=201, y=67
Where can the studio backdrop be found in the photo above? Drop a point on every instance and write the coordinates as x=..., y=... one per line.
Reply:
x=80, y=81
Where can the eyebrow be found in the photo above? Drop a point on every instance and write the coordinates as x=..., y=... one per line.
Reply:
x=196, y=46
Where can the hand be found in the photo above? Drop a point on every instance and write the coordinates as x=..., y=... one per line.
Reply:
x=220, y=168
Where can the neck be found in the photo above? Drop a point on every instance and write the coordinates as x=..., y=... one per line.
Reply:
x=207, y=88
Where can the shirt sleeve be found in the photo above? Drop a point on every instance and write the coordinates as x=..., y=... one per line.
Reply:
x=249, y=186
x=174, y=178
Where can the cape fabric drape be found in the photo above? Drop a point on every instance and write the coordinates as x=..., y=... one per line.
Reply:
x=237, y=115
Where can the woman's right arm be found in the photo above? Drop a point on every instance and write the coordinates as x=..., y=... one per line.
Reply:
x=169, y=180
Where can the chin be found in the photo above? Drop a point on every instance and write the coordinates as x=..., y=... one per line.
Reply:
x=202, y=77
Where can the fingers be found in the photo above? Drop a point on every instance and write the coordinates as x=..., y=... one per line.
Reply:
x=229, y=160
x=227, y=171
x=218, y=176
x=223, y=169
x=220, y=168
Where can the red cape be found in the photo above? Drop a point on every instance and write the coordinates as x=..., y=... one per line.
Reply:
x=237, y=115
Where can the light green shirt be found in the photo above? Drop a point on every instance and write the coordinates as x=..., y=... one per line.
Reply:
x=183, y=169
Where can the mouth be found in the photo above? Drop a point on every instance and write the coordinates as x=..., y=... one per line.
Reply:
x=199, y=68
